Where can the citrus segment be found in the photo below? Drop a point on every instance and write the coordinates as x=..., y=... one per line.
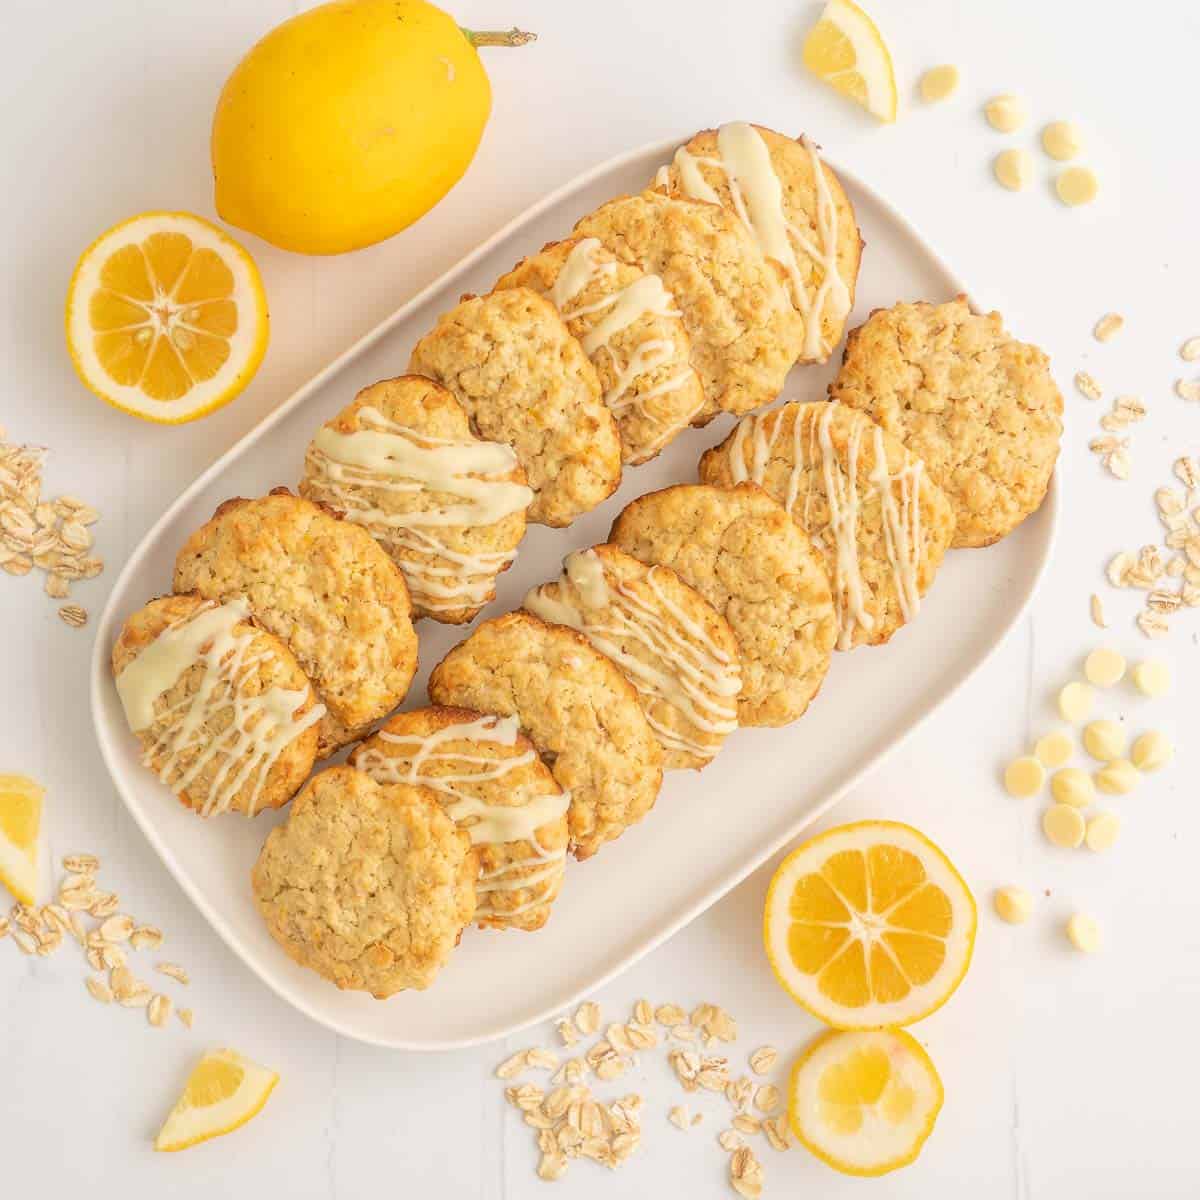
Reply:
x=869, y=925
x=20, y=821
x=166, y=317
x=864, y=1102
x=846, y=50
x=223, y=1092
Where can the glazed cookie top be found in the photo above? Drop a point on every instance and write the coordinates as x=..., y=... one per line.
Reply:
x=742, y=552
x=745, y=333
x=369, y=885
x=794, y=207
x=325, y=588
x=630, y=327
x=581, y=713
x=492, y=784
x=401, y=461
x=977, y=406
x=224, y=714
x=670, y=643
x=865, y=502
x=525, y=381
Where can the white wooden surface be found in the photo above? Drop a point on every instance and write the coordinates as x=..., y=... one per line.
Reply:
x=1065, y=1076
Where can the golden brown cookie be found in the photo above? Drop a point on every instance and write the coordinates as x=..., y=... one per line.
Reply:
x=867, y=504
x=401, y=461
x=369, y=885
x=492, y=784
x=581, y=713
x=669, y=642
x=745, y=333
x=629, y=326
x=224, y=714
x=979, y=408
x=741, y=551
x=794, y=207
x=525, y=381
x=325, y=588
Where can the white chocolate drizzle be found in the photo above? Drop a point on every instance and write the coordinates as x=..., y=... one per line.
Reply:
x=749, y=456
x=260, y=728
x=756, y=193
x=486, y=824
x=700, y=680
x=386, y=456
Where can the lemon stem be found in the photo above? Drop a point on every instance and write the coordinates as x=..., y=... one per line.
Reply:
x=498, y=37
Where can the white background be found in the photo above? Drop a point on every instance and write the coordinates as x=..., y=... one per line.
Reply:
x=1065, y=1076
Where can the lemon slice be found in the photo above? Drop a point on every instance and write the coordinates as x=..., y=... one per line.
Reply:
x=847, y=51
x=864, y=1102
x=166, y=317
x=223, y=1092
x=20, y=820
x=869, y=925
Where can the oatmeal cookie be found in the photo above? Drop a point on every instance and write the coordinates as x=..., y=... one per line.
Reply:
x=742, y=552
x=325, y=588
x=525, y=381
x=489, y=779
x=794, y=207
x=224, y=714
x=369, y=885
x=669, y=642
x=977, y=406
x=628, y=324
x=401, y=461
x=881, y=524
x=581, y=713
x=745, y=333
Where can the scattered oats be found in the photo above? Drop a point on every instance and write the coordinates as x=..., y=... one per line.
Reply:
x=99, y=989
x=777, y=1132
x=138, y=998
x=763, y=1059
x=4, y=926
x=686, y=1065
x=173, y=971
x=1118, y=464
x=186, y=1016
x=1168, y=501
x=16, y=564
x=57, y=587
x=1149, y=568
x=643, y=1013
x=74, y=615
x=670, y=1015
x=104, y=904
x=146, y=937
x=744, y=1123
x=552, y=1166
x=574, y=1070
x=1188, y=389
x=1106, y=445
x=1152, y=624
x=697, y=1118
x=715, y=1022
x=26, y=944
x=25, y=917
x=641, y=1037
x=1187, y=472
x=714, y=1074
x=685, y=1033
x=57, y=917
x=679, y=1117
x=738, y=1092
x=1118, y=568
x=730, y=1139
x=1097, y=610
x=1087, y=386
x=611, y=1066
x=527, y=1097
x=81, y=864
x=1163, y=601
x=587, y=1018
x=618, y=1038
x=111, y=957
x=745, y=1173
x=767, y=1098
x=567, y=1031
x=1129, y=410
x=1176, y=566
x=596, y=1052
x=1108, y=327
x=48, y=941
x=1190, y=595
x=117, y=928
x=511, y=1066
x=95, y=959
x=158, y=1011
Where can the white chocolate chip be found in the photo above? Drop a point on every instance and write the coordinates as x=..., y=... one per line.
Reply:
x=1104, y=667
x=1083, y=933
x=1013, y=904
x=1063, y=826
x=1151, y=751
x=1152, y=677
x=1006, y=113
x=1104, y=740
x=939, y=83
x=1075, y=702
x=1117, y=778
x=1108, y=327
x=1054, y=749
x=1062, y=140
x=1102, y=831
x=1073, y=786
x=1013, y=169
x=1024, y=777
x=1077, y=185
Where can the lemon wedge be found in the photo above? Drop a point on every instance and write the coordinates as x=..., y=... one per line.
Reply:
x=166, y=317
x=223, y=1092
x=864, y=1102
x=847, y=51
x=20, y=820
x=869, y=925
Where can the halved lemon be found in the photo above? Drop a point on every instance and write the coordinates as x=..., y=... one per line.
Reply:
x=20, y=820
x=847, y=51
x=166, y=317
x=869, y=925
x=864, y=1101
x=223, y=1092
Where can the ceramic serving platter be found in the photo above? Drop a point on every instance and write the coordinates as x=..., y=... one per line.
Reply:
x=709, y=830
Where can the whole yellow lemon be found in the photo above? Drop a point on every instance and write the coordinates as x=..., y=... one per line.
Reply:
x=348, y=122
